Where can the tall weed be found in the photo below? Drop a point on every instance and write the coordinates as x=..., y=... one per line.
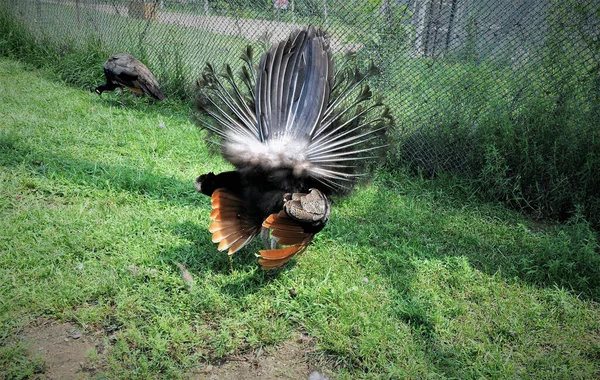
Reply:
x=525, y=132
x=543, y=155
x=79, y=66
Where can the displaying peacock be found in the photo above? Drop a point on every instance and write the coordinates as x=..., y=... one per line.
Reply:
x=297, y=132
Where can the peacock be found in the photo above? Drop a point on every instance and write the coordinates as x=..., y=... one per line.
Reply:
x=297, y=132
x=124, y=70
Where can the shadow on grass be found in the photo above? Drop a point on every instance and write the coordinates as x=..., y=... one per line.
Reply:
x=443, y=227
x=138, y=181
x=137, y=103
x=492, y=239
x=424, y=241
x=200, y=256
x=566, y=256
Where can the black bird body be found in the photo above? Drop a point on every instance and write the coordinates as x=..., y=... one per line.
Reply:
x=297, y=133
x=261, y=192
x=124, y=70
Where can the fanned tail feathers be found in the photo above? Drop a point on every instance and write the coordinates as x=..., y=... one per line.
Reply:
x=293, y=112
x=297, y=132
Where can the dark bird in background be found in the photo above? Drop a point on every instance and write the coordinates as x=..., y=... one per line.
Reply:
x=297, y=132
x=124, y=70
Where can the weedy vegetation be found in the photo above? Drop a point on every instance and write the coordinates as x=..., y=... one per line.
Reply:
x=521, y=127
x=411, y=278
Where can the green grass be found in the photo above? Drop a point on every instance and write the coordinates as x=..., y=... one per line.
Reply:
x=410, y=279
x=516, y=116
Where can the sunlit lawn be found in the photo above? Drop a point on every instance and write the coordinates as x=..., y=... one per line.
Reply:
x=410, y=279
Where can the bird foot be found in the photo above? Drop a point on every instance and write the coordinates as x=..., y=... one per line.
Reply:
x=269, y=242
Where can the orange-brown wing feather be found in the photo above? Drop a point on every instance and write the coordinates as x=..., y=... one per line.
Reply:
x=287, y=232
x=219, y=214
x=229, y=228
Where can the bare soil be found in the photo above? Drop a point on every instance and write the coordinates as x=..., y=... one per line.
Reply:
x=289, y=360
x=65, y=350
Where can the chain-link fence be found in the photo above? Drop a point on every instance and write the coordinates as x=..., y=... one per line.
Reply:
x=453, y=71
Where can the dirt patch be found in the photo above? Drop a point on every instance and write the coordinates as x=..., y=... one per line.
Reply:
x=63, y=347
x=288, y=360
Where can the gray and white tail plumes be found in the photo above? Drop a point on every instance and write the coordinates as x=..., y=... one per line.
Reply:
x=293, y=112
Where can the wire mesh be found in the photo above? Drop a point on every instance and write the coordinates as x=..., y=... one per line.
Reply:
x=446, y=65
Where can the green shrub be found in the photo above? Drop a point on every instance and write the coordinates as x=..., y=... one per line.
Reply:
x=526, y=132
x=544, y=160
x=544, y=155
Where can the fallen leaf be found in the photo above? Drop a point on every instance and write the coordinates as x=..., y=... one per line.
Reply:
x=186, y=276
